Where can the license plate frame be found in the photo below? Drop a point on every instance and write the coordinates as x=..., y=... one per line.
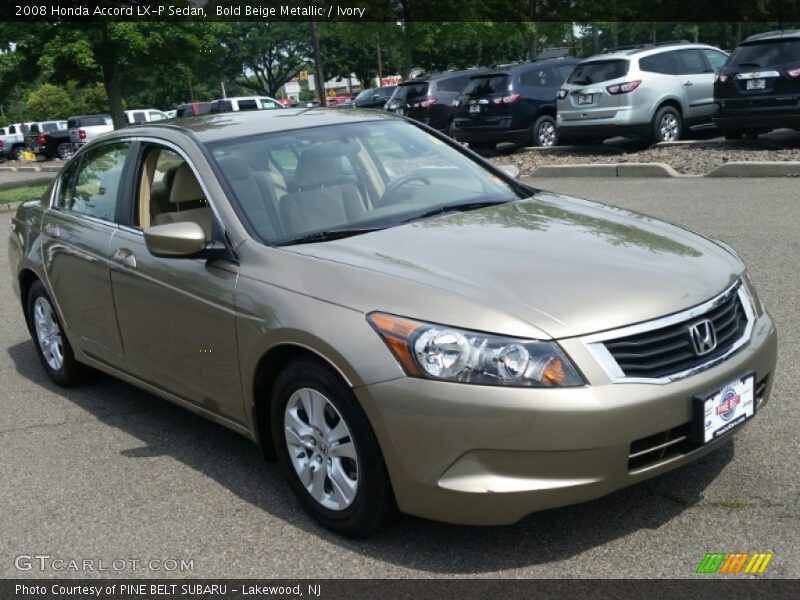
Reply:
x=711, y=421
x=584, y=99
x=474, y=109
x=757, y=84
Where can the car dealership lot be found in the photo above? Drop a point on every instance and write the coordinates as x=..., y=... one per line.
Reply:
x=109, y=472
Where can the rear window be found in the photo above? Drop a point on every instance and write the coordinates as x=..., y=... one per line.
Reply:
x=765, y=54
x=48, y=127
x=411, y=90
x=597, y=71
x=490, y=84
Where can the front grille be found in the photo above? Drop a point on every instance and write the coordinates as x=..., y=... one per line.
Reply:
x=660, y=447
x=668, y=350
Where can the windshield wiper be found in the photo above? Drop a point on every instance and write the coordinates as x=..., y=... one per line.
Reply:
x=464, y=207
x=329, y=235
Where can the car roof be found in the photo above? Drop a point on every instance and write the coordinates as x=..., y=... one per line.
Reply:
x=523, y=66
x=216, y=127
x=790, y=34
x=427, y=77
x=647, y=50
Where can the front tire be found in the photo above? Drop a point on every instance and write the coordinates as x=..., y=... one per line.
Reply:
x=17, y=153
x=544, y=133
x=331, y=455
x=52, y=345
x=667, y=125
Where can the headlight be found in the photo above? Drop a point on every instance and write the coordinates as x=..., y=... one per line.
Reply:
x=450, y=354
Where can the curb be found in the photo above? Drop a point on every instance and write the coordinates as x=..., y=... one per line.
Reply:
x=757, y=169
x=607, y=170
x=651, y=170
x=7, y=185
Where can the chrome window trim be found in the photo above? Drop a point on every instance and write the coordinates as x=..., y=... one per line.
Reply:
x=595, y=343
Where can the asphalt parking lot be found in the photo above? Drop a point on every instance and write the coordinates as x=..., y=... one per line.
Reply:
x=109, y=472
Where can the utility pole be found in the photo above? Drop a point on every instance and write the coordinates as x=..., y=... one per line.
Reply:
x=317, y=62
x=380, y=65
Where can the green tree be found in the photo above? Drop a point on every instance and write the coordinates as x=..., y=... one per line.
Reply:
x=48, y=102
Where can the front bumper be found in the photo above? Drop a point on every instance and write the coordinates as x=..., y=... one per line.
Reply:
x=489, y=456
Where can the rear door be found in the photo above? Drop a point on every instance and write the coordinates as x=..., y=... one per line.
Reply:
x=481, y=102
x=697, y=82
x=758, y=76
x=587, y=96
x=76, y=236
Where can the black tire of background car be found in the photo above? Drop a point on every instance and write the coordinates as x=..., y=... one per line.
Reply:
x=656, y=124
x=71, y=372
x=535, y=133
x=65, y=151
x=17, y=152
x=374, y=503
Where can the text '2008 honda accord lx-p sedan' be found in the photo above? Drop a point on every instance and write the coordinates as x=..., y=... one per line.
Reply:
x=401, y=324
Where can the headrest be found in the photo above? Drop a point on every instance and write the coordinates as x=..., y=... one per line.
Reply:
x=169, y=176
x=185, y=187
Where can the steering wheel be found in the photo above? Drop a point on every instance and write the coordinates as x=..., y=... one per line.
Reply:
x=387, y=200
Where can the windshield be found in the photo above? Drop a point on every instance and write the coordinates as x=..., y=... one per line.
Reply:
x=486, y=85
x=766, y=54
x=597, y=71
x=368, y=93
x=377, y=174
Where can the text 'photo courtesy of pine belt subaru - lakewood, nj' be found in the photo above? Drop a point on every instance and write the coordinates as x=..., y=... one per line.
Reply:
x=397, y=321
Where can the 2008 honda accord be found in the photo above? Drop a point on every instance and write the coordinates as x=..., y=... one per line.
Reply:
x=400, y=323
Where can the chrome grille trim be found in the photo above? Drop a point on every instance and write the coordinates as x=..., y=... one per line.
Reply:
x=595, y=343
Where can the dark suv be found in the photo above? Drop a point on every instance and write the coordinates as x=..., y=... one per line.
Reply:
x=758, y=89
x=429, y=98
x=516, y=103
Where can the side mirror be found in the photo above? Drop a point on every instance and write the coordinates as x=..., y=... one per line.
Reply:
x=175, y=240
x=510, y=170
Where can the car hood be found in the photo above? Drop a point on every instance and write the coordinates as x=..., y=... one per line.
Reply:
x=566, y=266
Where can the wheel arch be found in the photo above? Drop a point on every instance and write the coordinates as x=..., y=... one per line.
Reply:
x=27, y=277
x=267, y=369
x=669, y=101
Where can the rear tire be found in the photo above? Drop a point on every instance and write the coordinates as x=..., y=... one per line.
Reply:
x=65, y=151
x=17, y=153
x=667, y=125
x=321, y=434
x=52, y=345
x=544, y=133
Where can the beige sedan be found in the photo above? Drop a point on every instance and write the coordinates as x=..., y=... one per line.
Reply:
x=400, y=323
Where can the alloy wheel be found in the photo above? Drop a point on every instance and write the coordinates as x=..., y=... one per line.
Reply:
x=321, y=449
x=669, y=127
x=546, y=134
x=48, y=333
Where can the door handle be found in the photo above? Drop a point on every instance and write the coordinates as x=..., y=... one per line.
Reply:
x=688, y=83
x=125, y=257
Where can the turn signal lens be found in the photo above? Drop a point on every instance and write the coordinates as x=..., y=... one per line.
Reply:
x=451, y=354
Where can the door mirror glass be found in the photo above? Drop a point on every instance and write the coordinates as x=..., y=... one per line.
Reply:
x=175, y=240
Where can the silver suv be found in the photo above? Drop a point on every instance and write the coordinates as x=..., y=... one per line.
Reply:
x=654, y=92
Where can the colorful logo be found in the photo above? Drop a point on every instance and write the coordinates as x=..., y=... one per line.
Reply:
x=727, y=406
x=735, y=563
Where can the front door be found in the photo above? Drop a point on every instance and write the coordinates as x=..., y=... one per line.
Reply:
x=176, y=315
x=697, y=81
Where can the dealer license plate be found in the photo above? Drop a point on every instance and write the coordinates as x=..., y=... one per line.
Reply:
x=474, y=108
x=585, y=99
x=756, y=84
x=726, y=409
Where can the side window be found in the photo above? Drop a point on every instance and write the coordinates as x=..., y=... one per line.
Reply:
x=562, y=72
x=34, y=129
x=716, y=59
x=138, y=117
x=537, y=78
x=12, y=129
x=663, y=63
x=97, y=182
x=248, y=104
x=169, y=192
x=690, y=62
x=156, y=116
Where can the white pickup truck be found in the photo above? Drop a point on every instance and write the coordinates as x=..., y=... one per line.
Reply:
x=12, y=141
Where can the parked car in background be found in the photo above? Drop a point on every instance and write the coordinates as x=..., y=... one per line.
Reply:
x=374, y=97
x=171, y=114
x=244, y=103
x=339, y=100
x=144, y=115
x=85, y=128
x=655, y=92
x=515, y=103
x=12, y=143
x=401, y=324
x=49, y=139
x=192, y=109
x=758, y=90
x=429, y=98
